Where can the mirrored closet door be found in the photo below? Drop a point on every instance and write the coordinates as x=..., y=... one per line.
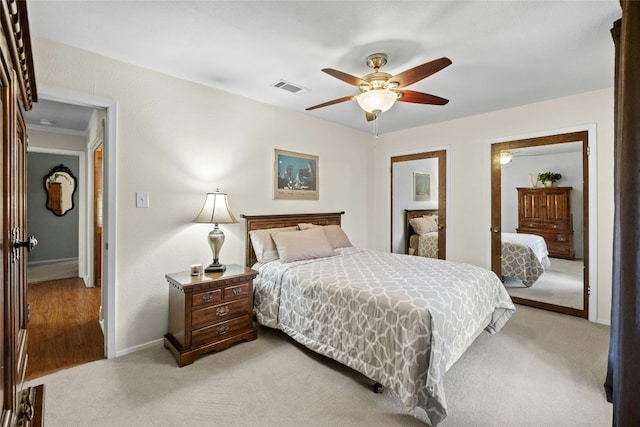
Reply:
x=540, y=229
x=418, y=204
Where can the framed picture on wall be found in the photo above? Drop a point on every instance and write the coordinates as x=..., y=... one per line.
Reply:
x=421, y=187
x=295, y=176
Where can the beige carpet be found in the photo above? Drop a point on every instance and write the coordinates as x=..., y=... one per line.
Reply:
x=542, y=369
x=561, y=284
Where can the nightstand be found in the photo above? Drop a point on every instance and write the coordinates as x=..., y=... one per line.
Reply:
x=209, y=312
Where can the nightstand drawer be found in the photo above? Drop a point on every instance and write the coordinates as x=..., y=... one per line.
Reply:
x=218, y=313
x=221, y=330
x=206, y=298
x=236, y=291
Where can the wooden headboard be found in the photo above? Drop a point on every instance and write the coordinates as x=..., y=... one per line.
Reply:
x=260, y=222
x=414, y=213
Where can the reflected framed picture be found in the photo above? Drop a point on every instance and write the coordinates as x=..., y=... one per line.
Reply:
x=421, y=187
x=295, y=176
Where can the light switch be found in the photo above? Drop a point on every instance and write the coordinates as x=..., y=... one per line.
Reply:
x=142, y=199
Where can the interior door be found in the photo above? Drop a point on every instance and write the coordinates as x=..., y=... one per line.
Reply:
x=15, y=247
x=97, y=216
x=5, y=251
x=537, y=208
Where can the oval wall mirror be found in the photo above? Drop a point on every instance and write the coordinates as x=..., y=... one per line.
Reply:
x=60, y=185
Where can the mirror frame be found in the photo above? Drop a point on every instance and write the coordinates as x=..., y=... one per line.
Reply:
x=58, y=170
x=496, y=212
x=440, y=154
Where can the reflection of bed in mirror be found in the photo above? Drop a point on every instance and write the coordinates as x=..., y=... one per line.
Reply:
x=424, y=242
x=401, y=321
x=524, y=256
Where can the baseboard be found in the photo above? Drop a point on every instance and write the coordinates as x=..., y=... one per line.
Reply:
x=50, y=261
x=140, y=347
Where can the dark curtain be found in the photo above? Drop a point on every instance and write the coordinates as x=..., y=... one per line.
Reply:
x=623, y=373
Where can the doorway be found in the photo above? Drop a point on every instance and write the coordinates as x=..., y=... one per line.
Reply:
x=558, y=216
x=109, y=135
x=59, y=252
x=418, y=188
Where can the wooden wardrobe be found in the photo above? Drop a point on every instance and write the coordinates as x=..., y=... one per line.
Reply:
x=546, y=212
x=21, y=406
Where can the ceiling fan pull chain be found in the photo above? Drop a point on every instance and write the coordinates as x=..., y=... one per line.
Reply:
x=376, y=115
x=375, y=124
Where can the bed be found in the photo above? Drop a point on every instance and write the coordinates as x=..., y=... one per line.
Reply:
x=401, y=321
x=425, y=243
x=524, y=256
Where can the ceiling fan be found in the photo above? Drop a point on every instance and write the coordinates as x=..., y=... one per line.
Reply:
x=380, y=90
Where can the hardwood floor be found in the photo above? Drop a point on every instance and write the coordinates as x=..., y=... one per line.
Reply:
x=63, y=327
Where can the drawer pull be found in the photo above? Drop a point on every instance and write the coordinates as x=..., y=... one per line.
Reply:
x=236, y=291
x=221, y=330
x=207, y=298
x=221, y=311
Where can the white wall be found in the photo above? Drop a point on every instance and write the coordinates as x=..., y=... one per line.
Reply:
x=178, y=140
x=468, y=214
x=58, y=141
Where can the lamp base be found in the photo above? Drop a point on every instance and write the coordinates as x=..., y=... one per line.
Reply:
x=215, y=267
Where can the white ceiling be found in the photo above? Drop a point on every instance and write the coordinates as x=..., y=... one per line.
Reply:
x=504, y=53
x=55, y=116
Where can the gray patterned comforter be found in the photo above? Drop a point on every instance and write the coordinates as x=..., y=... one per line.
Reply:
x=399, y=320
x=424, y=245
x=524, y=256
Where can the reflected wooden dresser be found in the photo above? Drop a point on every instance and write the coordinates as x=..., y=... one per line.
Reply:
x=546, y=212
x=209, y=312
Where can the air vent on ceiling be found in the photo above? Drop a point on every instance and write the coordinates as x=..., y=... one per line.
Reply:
x=290, y=87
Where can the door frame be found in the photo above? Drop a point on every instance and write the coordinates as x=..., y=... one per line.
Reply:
x=415, y=155
x=108, y=312
x=590, y=210
x=83, y=270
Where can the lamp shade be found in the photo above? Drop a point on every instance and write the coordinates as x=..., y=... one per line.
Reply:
x=376, y=100
x=216, y=210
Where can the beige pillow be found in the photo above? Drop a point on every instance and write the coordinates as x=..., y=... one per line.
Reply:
x=424, y=224
x=335, y=234
x=304, y=244
x=263, y=245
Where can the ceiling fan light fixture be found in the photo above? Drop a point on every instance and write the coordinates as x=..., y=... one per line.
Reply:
x=376, y=100
x=505, y=157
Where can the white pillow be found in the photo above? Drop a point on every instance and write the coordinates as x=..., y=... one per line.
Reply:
x=424, y=224
x=335, y=234
x=263, y=245
x=304, y=244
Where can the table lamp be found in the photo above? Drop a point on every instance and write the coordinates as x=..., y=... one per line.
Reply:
x=216, y=211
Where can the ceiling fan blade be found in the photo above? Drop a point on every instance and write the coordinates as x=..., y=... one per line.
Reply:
x=333, y=101
x=347, y=78
x=420, y=98
x=370, y=116
x=418, y=73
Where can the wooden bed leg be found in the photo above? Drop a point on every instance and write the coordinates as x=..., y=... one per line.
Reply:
x=377, y=388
